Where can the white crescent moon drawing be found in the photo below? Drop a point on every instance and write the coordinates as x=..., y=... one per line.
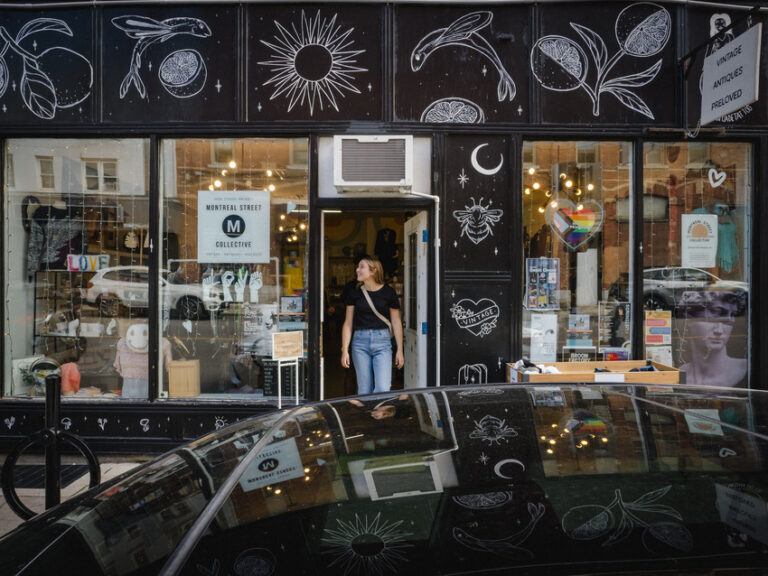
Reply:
x=500, y=463
x=479, y=168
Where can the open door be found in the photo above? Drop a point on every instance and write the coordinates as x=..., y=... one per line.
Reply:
x=415, y=300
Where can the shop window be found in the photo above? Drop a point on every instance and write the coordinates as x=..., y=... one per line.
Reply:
x=77, y=245
x=696, y=278
x=234, y=263
x=45, y=171
x=576, y=251
x=101, y=175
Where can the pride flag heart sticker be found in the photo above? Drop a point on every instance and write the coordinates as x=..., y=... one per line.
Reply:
x=575, y=227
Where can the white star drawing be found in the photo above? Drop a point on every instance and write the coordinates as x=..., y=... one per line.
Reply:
x=519, y=110
x=453, y=293
x=14, y=85
x=34, y=45
x=496, y=251
x=5, y=109
x=258, y=107
x=149, y=65
x=370, y=87
x=463, y=178
x=312, y=65
x=483, y=459
x=484, y=71
x=218, y=86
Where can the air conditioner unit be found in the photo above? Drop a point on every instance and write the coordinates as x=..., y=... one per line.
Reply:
x=373, y=163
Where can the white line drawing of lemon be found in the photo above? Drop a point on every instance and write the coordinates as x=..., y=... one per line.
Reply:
x=183, y=73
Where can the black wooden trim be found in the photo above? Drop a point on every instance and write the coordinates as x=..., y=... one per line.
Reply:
x=758, y=310
x=636, y=255
x=516, y=249
x=387, y=64
x=316, y=290
x=155, y=255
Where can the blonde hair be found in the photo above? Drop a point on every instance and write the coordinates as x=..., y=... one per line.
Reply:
x=376, y=268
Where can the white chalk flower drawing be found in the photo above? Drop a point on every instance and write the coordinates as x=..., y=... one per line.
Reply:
x=465, y=32
x=478, y=318
x=313, y=64
x=560, y=64
x=617, y=521
x=56, y=78
x=477, y=221
x=453, y=110
x=366, y=546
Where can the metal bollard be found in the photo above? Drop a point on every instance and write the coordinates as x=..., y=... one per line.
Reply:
x=51, y=440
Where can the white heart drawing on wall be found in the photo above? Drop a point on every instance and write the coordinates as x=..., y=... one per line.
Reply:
x=716, y=178
x=479, y=317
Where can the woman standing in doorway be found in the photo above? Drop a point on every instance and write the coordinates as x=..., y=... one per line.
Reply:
x=372, y=308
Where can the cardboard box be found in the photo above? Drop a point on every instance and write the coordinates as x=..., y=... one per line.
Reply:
x=585, y=372
x=184, y=378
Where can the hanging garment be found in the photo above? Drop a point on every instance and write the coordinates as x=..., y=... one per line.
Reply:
x=728, y=255
x=53, y=234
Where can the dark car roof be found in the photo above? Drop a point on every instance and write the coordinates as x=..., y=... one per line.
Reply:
x=571, y=479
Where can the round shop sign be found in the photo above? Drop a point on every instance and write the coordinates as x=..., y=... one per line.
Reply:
x=233, y=226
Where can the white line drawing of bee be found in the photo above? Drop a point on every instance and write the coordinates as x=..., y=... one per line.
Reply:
x=477, y=220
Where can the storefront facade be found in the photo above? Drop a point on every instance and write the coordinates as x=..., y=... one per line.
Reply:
x=203, y=177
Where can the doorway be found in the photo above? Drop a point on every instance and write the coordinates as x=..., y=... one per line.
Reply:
x=395, y=238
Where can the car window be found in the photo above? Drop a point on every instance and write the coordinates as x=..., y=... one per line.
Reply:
x=113, y=275
x=692, y=275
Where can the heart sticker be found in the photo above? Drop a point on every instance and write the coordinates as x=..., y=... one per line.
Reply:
x=575, y=227
x=716, y=178
x=479, y=317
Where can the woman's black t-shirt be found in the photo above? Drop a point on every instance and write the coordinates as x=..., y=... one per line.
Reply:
x=384, y=298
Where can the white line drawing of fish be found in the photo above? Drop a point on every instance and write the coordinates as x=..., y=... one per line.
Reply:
x=148, y=31
x=465, y=32
x=509, y=546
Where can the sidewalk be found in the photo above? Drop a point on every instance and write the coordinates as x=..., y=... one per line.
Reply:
x=34, y=498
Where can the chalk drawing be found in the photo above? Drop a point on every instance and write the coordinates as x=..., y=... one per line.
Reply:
x=477, y=391
x=618, y=520
x=501, y=463
x=465, y=32
x=485, y=171
x=477, y=221
x=486, y=501
x=463, y=178
x=492, y=430
x=102, y=422
x=147, y=31
x=10, y=421
x=479, y=318
x=67, y=423
x=473, y=374
x=57, y=78
x=363, y=546
x=453, y=110
x=312, y=65
x=183, y=73
x=509, y=546
x=255, y=562
x=561, y=65
x=144, y=423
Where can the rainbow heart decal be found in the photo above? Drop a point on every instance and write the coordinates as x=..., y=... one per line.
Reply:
x=575, y=227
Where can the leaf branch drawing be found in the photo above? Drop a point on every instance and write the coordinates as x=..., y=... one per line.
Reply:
x=56, y=78
x=561, y=64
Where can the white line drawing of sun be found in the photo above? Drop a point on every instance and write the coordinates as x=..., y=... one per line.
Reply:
x=367, y=547
x=312, y=65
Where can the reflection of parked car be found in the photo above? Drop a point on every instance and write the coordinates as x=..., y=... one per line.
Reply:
x=454, y=480
x=128, y=286
x=664, y=287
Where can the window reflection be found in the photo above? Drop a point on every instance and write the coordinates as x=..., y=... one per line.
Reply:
x=235, y=219
x=696, y=272
x=577, y=234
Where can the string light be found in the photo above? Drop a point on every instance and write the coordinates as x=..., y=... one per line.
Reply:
x=232, y=164
x=536, y=185
x=531, y=170
x=217, y=183
x=269, y=173
x=527, y=191
x=590, y=187
x=271, y=187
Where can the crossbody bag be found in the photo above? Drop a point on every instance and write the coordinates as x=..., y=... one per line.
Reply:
x=378, y=314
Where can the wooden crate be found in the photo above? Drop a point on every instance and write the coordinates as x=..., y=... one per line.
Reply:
x=585, y=372
x=184, y=378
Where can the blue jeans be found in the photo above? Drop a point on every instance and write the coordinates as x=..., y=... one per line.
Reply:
x=371, y=352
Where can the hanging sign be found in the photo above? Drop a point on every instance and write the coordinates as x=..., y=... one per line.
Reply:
x=730, y=78
x=233, y=226
x=699, y=240
x=87, y=262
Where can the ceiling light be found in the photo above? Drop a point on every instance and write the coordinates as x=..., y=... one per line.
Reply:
x=541, y=209
x=548, y=193
x=269, y=173
x=527, y=191
x=280, y=228
x=282, y=216
x=210, y=187
x=271, y=187
x=302, y=226
x=531, y=170
x=224, y=172
x=569, y=183
x=217, y=183
x=590, y=187
x=232, y=164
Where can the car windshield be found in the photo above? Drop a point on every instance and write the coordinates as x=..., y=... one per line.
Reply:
x=474, y=479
